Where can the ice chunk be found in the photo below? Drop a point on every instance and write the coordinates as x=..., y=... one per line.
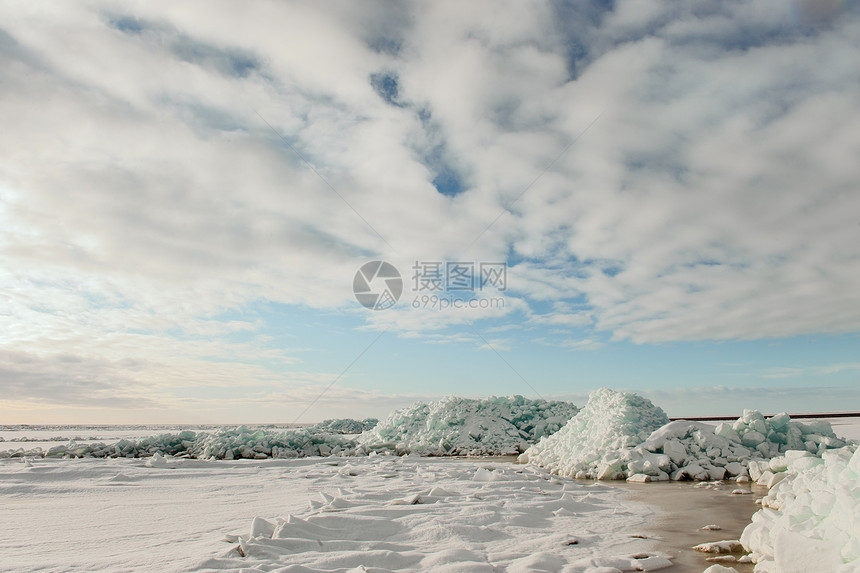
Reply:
x=735, y=469
x=652, y=563
x=752, y=438
x=262, y=528
x=727, y=546
x=676, y=451
x=484, y=474
x=779, y=421
x=720, y=569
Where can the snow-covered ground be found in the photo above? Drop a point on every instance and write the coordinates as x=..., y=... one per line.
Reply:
x=315, y=514
x=118, y=507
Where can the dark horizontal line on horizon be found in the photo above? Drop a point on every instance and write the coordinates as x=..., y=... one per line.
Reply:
x=792, y=416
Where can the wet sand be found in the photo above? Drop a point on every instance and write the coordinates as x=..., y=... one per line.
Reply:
x=685, y=509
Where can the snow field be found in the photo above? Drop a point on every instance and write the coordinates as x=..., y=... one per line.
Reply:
x=517, y=518
x=405, y=514
x=383, y=513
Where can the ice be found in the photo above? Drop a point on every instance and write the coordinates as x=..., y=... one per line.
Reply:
x=616, y=436
x=624, y=436
x=728, y=546
x=453, y=426
x=597, y=441
x=720, y=569
x=463, y=426
x=345, y=426
x=447, y=515
x=224, y=444
x=810, y=519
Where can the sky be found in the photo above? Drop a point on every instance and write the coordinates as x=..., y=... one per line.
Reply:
x=197, y=199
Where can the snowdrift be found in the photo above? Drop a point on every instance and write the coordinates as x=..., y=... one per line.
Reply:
x=624, y=436
x=810, y=520
x=463, y=426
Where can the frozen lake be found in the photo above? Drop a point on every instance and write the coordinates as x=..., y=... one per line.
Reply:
x=400, y=513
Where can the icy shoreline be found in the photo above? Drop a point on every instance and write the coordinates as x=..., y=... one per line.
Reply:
x=810, y=472
x=452, y=426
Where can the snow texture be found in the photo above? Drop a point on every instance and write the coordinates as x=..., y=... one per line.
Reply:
x=624, y=436
x=373, y=513
x=810, y=520
x=463, y=426
x=417, y=514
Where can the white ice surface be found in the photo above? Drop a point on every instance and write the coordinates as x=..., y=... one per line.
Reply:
x=123, y=515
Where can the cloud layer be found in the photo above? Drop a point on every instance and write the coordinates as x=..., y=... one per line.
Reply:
x=651, y=171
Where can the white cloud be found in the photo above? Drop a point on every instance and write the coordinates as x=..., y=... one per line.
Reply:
x=142, y=196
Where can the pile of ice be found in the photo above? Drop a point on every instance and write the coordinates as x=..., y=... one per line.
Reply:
x=453, y=426
x=224, y=444
x=463, y=426
x=596, y=441
x=810, y=520
x=345, y=426
x=624, y=436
